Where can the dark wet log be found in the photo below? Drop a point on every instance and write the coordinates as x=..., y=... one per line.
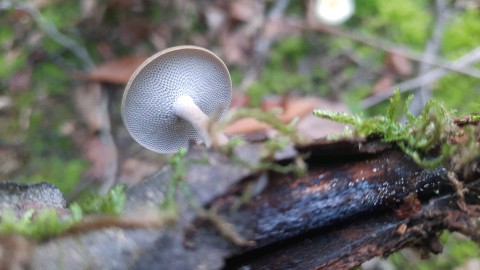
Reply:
x=351, y=243
x=358, y=200
x=334, y=191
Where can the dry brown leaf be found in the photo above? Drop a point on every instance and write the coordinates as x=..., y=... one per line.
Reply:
x=280, y=27
x=399, y=65
x=235, y=46
x=133, y=170
x=245, y=10
x=239, y=99
x=297, y=108
x=92, y=106
x=294, y=107
x=103, y=157
x=117, y=71
x=245, y=126
x=314, y=128
x=20, y=80
x=384, y=83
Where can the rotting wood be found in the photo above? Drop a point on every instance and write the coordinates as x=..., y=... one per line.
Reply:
x=353, y=205
x=359, y=200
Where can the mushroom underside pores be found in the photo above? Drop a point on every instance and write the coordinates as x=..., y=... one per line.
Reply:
x=173, y=96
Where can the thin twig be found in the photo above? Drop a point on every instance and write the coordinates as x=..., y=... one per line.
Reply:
x=262, y=45
x=103, y=131
x=388, y=47
x=53, y=33
x=428, y=77
x=422, y=95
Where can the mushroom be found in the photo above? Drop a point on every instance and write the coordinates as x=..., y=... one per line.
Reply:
x=334, y=12
x=173, y=96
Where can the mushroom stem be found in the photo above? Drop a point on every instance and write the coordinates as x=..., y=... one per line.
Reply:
x=186, y=108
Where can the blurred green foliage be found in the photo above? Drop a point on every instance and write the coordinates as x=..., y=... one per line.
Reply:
x=280, y=74
x=406, y=22
x=462, y=34
x=51, y=156
x=35, y=119
x=48, y=223
x=112, y=203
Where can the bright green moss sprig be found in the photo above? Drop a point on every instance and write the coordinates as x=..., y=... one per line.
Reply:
x=44, y=224
x=112, y=203
x=177, y=180
x=417, y=137
x=38, y=226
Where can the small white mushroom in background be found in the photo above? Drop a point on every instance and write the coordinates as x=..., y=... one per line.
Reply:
x=334, y=12
x=172, y=97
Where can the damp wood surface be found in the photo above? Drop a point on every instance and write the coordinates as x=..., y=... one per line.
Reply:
x=358, y=200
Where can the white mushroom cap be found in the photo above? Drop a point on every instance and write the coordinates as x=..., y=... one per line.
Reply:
x=334, y=12
x=148, y=109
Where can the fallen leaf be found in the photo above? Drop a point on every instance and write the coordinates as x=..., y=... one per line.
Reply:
x=294, y=107
x=91, y=104
x=384, y=83
x=133, y=170
x=239, y=99
x=103, y=157
x=20, y=80
x=245, y=10
x=117, y=71
x=298, y=108
x=313, y=127
x=399, y=64
x=280, y=27
x=245, y=126
x=235, y=46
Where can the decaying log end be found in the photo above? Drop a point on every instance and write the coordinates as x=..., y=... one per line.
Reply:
x=364, y=200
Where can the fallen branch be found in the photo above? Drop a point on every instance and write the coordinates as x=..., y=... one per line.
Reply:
x=392, y=48
x=429, y=77
x=359, y=200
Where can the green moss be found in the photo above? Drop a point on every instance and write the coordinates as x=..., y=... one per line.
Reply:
x=112, y=203
x=178, y=166
x=420, y=134
x=44, y=224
